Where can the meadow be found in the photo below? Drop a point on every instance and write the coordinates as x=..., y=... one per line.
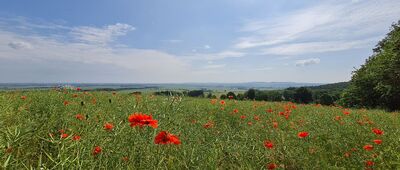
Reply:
x=71, y=129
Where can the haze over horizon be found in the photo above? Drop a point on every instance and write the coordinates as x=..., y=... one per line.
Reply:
x=180, y=41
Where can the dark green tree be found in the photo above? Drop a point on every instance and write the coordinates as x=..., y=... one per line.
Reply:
x=377, y=82
x=250, y=94
x=303, y=95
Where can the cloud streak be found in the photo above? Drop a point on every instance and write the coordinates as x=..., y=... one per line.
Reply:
x=329, y=26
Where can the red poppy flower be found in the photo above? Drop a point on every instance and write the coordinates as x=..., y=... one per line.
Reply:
x=271, y=166
x=346, y=112
x=369, y=163
x=166, y=138
x=76, y=138
x=378, y=141
x=96, y=150
x=275, y=124
x=269, y=110
x=249, y=123
x=338, y=118
x=108, y=126
x=23, y=97
x=66, y=103
x=377, y=131
x=235, y=110
x=139, y=119
x=302, y=134
x=78, y=89
x=64, y=135
x=213, y=101
x=268, y=144
x=368, y=147
x=230, y=97
x=256, y=118
x=222, y=102
x=243, y=117
x=208, y=125
x=79, y=116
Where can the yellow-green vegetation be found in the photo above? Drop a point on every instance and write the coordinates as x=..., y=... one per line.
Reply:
x=41, y=129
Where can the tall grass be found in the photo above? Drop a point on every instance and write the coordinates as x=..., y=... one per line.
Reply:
x=30, y=137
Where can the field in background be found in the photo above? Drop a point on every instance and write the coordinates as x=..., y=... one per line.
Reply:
x=39, y=129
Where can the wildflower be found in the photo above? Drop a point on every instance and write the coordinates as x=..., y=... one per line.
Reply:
x=79, y=116
x=230, y=97
x=108, y=126
x=249, y=123
x=256, y=118
x=213, y=101
x=209, y=124
x=369, y=163
x=346, y=112
x=76, y=138
x=302, y=134
x=269, y=110
x=23, y=97
x=378, y=141
x=268, y=144
x=139, y=119
x=78, y=89
x=377, y=131
x=222, y=102
x=338, y=118
x=271, y=166
x=66, y=103
x=166, y=138
x=235, y=110
x=96, y=150
x=368, y=147
x=75, y=95
x=243, y=117
x=275, y=124
x=64, y=135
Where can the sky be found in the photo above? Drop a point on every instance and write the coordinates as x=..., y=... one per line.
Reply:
x=175, y=41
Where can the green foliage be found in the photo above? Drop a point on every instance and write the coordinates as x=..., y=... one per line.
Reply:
x=326, y=99
x=377, y=82
x=250, y=94
x=231, y=94
x=223, y=96
x=196, y=93
x=303, y=95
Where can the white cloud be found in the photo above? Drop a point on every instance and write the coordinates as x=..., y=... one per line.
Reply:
x=214, y=66
x=102, y=35
x=306, y=62
x=317, y=47
x=20, y=45
x=341, y=25
x=215, y=56
x=207, y=46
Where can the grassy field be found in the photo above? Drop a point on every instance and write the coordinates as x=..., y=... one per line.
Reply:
x=97, y=130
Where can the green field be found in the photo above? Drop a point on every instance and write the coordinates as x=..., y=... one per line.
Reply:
x=212, y=135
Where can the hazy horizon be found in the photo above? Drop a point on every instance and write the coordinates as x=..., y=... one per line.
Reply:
x=189, y=42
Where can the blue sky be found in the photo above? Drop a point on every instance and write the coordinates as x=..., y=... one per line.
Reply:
x=125, y=41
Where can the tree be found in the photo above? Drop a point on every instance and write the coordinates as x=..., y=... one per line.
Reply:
x=231, y=94
x=326, y=99
x=223, y=96
x=303, y=95
x=377, y=82
x=251, y=94
x=196, y=93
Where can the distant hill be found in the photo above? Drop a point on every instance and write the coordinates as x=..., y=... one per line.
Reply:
x=157, y=86
x=332, y=86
